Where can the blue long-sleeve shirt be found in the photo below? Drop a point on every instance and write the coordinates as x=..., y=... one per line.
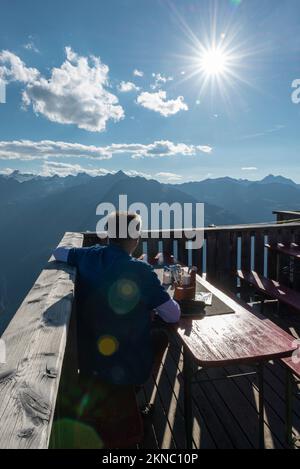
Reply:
x=116, y=294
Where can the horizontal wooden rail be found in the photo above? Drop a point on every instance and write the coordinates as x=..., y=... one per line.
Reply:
x=35, y=342
x=225, y=248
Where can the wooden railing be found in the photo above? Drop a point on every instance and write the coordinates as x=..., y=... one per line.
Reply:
x=286, y=215
x=40, y=359
x=225, y=249
x=35, y=343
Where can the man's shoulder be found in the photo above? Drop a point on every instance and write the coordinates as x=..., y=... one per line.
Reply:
x=141, y=266
x=85, y=252
x=92, y=249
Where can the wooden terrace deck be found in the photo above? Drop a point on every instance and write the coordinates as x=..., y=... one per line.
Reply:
x=41, y=353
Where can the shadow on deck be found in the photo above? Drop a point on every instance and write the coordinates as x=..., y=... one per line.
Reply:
x=225, y=411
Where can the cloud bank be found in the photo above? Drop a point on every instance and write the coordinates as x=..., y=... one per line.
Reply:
x=32, y=150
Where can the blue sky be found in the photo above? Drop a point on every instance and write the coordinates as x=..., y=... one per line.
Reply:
x=120, y=84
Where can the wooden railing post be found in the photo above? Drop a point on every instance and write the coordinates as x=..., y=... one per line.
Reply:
x=296, y=277
x=197, y=258
x=182, y=250
x=259, y=252
x=211, y=244
x=273, y=239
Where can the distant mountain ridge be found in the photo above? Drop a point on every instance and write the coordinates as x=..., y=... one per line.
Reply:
x=250, y=201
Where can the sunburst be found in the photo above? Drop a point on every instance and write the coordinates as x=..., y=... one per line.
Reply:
x=217, y=56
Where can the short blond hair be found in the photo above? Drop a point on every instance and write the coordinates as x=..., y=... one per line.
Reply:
x=123, y=226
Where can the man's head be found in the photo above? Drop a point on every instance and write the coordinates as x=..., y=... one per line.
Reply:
x=124, y=230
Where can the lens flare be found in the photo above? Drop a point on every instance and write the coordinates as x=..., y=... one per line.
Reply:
x=108, y=345
x=72, y=434
x=123, y=296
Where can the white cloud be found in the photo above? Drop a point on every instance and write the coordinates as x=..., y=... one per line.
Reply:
x=158, y=102
x=159, y=80
x=137, y=73
x=6, y=171
x=160, y=148
x=31, y=46
x=133, y=173
x=127, y=86
x=204, y=148
x=52, y=168
x=276, y=128
x=169, y=176
x=55, y=168
x=12, y=68
x=31, y=150
x=249, y=168
x=75, y=93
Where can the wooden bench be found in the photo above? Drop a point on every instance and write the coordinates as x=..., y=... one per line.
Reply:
x=283, y=294
x=271, y=288
x=291, y=250
x=292, y=367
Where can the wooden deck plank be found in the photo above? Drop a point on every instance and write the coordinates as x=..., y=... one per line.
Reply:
x=172, y=388
x=274, y=424
x=241, y=410
x=201, y=434
x=162, y=430
x=150, y=441
x=167, y=402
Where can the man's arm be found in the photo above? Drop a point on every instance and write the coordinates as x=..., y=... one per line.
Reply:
x=169, y=311
x=61, y=254
x=155, y=295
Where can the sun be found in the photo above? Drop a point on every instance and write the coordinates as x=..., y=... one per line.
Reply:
x=216, y=56
x=214, y=62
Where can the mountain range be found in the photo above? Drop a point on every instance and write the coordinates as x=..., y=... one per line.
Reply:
x=36, y=211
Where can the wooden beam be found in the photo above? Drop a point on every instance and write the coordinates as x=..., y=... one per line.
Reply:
x=35, y=343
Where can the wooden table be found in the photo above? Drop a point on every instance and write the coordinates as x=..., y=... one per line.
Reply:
x=224, y=340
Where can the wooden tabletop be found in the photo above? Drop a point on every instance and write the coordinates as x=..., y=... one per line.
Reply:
x=241, y=337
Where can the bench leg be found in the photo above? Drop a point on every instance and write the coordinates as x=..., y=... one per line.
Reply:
x=261, y=406
x=188, y=405
x=289, y=408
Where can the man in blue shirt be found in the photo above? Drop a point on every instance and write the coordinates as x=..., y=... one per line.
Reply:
x=116, y=296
